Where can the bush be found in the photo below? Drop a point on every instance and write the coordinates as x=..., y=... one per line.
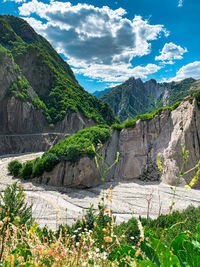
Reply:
x=12, y=205
x=130, y=230
x=70, y=149
x=38, y=167
x=14, y=167
x=27, y=169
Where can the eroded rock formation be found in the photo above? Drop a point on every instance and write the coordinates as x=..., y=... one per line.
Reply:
x=138, y=148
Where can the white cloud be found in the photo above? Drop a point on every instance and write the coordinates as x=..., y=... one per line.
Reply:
x=180, y=3
x=16, y=1
x=121, y=72
x=171, y=52
x=187, y=71
x=95, y=39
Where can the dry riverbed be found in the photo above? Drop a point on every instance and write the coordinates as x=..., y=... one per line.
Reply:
x=52, y=206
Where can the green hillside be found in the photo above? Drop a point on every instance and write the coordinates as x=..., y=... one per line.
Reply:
x=48, y=74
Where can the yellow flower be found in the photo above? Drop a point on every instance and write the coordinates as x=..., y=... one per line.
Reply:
x=108, y=239
x=137, y=253
x=187, y=187
x=195, y=179
x=159, y=163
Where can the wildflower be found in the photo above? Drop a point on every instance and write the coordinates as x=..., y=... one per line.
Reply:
x=106, y=210
x=77, y=244
x=160, y=167
x=187, y=187
x=133, y=263
x=108, y=239
x=1, y=224
x=137, y=253
x=195, y=179
x=132, y=237
x=85, y=247
x=146, y=238
x=97, y=249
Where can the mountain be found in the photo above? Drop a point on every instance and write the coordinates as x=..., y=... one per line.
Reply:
x=47, y=73
x=135, y=97
x=38, y=90
x=100, y=93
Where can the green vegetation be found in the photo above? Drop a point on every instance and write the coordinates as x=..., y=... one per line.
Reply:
x=169, y=240
x=57, y=91
x=14, y=167
x=197, y=95
x=173, y=224
x=179, y=90
x=143, y=117
x=70, y=149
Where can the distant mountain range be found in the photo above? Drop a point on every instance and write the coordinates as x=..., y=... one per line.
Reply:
x=134, y=97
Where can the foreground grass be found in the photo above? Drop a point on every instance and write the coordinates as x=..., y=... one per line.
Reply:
x=95, y=240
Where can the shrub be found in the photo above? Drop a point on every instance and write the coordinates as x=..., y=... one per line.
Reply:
x=128, y=229
x=12, y=205
x=49, y=161
x=14, y=167
x=70, y=149
x=38, y=167
x=27, y=169
x=175, y=105
x=129, y=124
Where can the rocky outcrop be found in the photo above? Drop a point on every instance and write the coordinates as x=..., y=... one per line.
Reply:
x=83, y=173
x=138, y=148
x=23, y=128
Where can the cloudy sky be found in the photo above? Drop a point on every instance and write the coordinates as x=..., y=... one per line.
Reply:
x=106, y=42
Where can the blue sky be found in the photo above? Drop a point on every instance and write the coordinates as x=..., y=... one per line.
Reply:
x=106, y=42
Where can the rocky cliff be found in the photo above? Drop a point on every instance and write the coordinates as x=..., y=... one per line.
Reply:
x=135, y=97
x=138, y=148
x=39, y=92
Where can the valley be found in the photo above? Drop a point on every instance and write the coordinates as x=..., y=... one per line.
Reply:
x=55, y=205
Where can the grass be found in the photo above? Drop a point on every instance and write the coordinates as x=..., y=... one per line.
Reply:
x=95, y=239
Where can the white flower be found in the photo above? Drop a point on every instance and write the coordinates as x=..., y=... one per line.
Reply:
x=97, y=249
x=77, y=244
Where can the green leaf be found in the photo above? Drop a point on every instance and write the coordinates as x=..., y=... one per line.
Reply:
x=150, y=252
x=177, y=246
x=146, y=264
x=164, y=254
x=198, y=232
x=192, y=254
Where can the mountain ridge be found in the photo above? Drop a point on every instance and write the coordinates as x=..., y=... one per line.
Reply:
x=134, y=97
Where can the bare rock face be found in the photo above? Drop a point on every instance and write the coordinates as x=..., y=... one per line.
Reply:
x=83, y=173
x=138, y=148
x=23, y=128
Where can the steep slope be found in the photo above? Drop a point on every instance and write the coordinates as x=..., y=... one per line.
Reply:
x=48, y=74
x=39, y=92
x=135, y=97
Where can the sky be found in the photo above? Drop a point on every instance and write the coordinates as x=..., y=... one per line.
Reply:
x=107, y=42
